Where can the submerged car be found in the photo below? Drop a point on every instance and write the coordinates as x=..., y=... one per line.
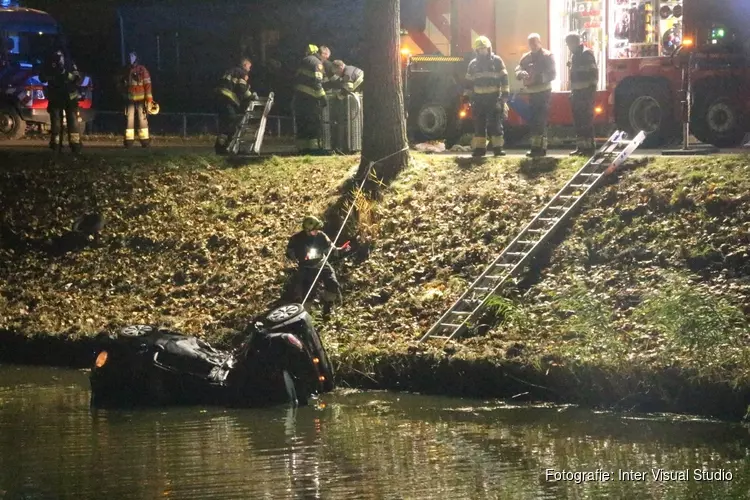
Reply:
x=281, y=360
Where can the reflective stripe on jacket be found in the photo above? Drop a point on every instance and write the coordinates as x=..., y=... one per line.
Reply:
x=353, y=78
x=584, y=72
x=310, y=77
x=488, y=76
x=234, y=86
x=137, y=83
x=540, y=66
x=62, y=83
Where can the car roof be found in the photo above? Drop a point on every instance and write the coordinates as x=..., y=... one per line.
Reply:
x=23, y=19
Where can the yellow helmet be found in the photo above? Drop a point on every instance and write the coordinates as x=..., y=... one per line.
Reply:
x=152, y=108
x=312, y=49
x=482, y=43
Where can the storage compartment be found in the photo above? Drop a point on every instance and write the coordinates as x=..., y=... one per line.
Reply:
x=644, y=28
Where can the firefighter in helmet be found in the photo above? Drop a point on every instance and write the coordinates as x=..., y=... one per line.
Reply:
x=309, y=98
x=135, y=85
x=308, y=248
x=488, y=87
x=584, y=77
x=537, y=72
x=351, y=77
x=233, y=97
x=63, y=80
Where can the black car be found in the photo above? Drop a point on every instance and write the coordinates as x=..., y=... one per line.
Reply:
x=281, y=360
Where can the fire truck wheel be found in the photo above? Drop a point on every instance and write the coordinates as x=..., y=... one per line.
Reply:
x=12, y=126
x=717, y=120
x=646, y=106
x=432, y=121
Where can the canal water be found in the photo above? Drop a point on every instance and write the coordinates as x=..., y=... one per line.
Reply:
x=353, y=445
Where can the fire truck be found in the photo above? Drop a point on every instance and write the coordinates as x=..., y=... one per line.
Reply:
x=642, y=47
x=26, y=38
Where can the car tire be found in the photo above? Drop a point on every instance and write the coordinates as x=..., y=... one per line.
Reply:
x=12, y=126
x=136, y=330
x=284, y=313
x=717, y=120
x=432, y=121
x=647, y=106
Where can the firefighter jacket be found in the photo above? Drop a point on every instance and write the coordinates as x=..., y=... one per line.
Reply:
x=308, y=250
x=310, y=77
x=352, y=78
x=540, y=66
x=584, y=72
x=62, y=83
x=487, y=78
x=234, y=86
x=136, y=83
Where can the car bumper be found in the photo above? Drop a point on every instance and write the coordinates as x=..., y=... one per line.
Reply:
x=42, y=116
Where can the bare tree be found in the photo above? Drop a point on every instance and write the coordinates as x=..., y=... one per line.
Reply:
x=384, y=120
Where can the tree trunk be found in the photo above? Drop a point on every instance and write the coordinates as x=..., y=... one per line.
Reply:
x=384, y=132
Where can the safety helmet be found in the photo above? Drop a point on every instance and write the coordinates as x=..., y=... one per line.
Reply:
x=311, y=223
x=152, y=108
x=312, y=49
x=482, y=43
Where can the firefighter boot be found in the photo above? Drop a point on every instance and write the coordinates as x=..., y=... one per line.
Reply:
x=76, y=148
x=499, y=151
x=146, y=143
x=128, y=143
x=478, y=153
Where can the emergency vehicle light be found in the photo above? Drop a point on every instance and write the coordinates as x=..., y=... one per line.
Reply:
x=598, y=110
x=687, y=42
x=405, y=52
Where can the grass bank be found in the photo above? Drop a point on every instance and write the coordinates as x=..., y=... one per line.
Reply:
x=643, y=304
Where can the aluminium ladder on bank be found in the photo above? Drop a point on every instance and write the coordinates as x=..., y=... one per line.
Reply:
x=527, y=243
x=248, y=122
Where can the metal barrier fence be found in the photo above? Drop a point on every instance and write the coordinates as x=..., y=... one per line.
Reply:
x=181, y=124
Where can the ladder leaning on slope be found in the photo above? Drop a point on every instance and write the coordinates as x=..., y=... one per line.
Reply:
x=527, y=243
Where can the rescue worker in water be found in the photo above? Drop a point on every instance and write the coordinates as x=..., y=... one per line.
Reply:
x=308, y=248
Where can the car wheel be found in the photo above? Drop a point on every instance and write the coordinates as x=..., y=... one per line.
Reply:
x=136, y=330
x=284, y=313
x=291, y=390
x=647, y=106
x=718, y=120
x=12, y=126
x=432, y=121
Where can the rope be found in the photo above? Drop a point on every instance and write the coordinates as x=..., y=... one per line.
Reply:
x=348, y=214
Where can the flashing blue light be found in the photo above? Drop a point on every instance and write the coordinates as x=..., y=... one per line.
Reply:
x=8, y=3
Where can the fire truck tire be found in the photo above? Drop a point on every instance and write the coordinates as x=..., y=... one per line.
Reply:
x=12, y=126
x=646, y=106
x=432, y=121
x=716, y=119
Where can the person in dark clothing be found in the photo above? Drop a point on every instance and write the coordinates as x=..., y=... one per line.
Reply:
x=63, y=79
x=233, y=97
x=584, y=77
x=308, y=248
x=329, y=72
x=309, y=98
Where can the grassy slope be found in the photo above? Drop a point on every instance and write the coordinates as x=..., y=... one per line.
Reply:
x=652, y=277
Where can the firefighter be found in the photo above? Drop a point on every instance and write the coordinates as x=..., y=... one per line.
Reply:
x=537, y=71
x=324, y=54
x=309, y=98
x=233, y=96
x=488, y=87
x=351, y=77
x=584, y=77
x=135, y=85
x=63, y=79
x=308, y=248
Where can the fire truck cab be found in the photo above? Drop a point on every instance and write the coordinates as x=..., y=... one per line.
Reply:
x=641, y=46
x=26, y=37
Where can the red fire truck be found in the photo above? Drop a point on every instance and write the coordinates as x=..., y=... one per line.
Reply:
x=641, y=46
x=26, y=37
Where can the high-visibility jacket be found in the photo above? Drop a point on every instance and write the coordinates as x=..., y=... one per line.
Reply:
x=62, y=83
x=310, y=77
x=540, y=66
x=137, y=84
x=353, y=78
x=487, y=77
x=235, y=86
x=584, y=73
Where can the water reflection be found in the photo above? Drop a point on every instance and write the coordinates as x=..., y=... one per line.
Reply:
x=360, y=445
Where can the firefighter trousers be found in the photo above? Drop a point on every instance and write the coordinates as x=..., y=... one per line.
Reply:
x=229, y=120
x=136, y=119
x=539, y=103
x=582, y=104
x=488, y=122
x=305, y=277
x=307, y=114
x=70, y=112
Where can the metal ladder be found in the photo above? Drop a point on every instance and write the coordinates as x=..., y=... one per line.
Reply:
x=238, y=139
x=536, y=233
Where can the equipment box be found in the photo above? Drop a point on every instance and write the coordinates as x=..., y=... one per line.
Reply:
x=342, y=123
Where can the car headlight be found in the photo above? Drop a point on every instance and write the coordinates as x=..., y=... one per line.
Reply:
x=101, y=359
